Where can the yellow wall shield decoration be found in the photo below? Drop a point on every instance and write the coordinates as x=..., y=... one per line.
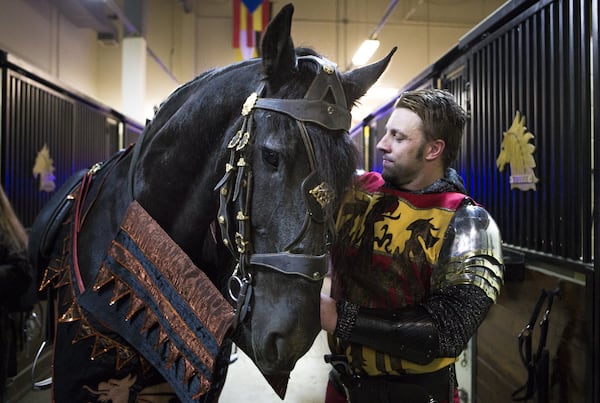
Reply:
x=518, y=152
x=44, y=168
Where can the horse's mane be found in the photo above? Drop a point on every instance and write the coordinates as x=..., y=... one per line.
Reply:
x=172, y=103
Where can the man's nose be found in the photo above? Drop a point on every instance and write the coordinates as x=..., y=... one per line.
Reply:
x=382, y=144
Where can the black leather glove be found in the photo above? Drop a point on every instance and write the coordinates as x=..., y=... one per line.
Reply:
x=408, y=333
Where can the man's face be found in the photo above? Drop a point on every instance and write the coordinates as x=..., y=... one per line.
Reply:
x=403, y=146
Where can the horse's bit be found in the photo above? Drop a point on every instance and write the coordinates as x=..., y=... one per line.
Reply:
x=236, y=184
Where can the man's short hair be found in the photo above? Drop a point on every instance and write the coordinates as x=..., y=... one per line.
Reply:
x=443, y=118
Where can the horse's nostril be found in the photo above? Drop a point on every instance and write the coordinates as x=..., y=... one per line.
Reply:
x=274, y=347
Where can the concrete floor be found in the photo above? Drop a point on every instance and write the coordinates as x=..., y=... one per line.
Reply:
x=245, y=383
x=307, y=382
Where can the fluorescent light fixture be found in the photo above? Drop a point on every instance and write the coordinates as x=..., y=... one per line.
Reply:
x=365, y=52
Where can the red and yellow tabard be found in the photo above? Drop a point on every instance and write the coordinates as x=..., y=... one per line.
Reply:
x=390, y=241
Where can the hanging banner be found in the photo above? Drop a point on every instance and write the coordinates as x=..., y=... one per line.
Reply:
x=250, y=17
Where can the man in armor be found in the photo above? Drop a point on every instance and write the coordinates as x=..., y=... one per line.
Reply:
x=416, y=266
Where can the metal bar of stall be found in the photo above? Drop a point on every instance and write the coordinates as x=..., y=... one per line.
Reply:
x=519, y=104
x=509, y=95
x=554, y=127
x=482, y=138
x=528, y=107
x=490, y=140
x=594, y=383
x=586, y=141
x=497, y=192
x=544, y=213
x=545, y=134
x=476, y=71
x=563, y=131
x=572, y=128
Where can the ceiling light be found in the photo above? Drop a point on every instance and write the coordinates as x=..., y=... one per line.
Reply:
x=365, y=52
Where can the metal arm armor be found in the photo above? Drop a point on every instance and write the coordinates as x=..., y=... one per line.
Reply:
x=471, y=253
x=409, y=333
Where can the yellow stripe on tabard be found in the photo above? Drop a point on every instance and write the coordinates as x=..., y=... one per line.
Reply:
x=371, y=368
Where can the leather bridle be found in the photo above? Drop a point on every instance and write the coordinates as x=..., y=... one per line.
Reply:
x=235, y=188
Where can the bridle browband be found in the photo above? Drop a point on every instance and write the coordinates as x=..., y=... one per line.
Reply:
x=235, y=188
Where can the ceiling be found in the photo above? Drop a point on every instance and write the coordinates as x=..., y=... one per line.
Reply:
x=105, y=16
x=111, y=18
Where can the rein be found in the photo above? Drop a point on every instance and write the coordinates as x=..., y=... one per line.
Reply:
x=536, y=362
x=235, y=187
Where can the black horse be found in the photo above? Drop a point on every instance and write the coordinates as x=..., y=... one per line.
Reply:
x=214, y=227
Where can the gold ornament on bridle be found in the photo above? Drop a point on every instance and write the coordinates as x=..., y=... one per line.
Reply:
x=323, y=194
x=249, y=104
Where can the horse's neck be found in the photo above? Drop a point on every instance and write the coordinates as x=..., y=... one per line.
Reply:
x=183, y=156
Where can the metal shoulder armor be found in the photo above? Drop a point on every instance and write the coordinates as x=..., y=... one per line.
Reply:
x=471, y=253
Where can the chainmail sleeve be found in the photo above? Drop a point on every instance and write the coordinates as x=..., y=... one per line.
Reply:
x=457, y=312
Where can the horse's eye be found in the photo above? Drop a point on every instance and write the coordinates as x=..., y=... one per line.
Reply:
x=270, y=157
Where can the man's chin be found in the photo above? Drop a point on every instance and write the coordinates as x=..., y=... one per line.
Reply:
x=386, y=175
x=390, y=179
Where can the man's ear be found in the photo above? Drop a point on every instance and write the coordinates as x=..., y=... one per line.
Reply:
x=435, y=149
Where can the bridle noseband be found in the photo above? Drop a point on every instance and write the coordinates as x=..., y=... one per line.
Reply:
x=235, y=188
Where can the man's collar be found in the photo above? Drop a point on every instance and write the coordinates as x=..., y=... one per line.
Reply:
x=450, y=182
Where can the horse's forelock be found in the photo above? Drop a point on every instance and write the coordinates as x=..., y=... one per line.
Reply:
x=335, y=154
x=336, y=157
x=293, y=85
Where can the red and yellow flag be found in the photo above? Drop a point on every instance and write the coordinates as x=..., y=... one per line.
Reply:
x=250, y=17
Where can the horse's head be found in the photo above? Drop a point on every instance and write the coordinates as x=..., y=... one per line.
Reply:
x=288, y=180
x=280, y=171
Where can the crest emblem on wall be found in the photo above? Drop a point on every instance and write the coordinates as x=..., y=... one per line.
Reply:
x=518, y=153
x=44, y=168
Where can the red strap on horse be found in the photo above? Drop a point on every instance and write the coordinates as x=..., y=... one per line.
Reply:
x=86, y=184
x=83, y=190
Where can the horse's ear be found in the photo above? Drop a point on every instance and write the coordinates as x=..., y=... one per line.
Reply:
x=356, y=82
x=277, y=47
